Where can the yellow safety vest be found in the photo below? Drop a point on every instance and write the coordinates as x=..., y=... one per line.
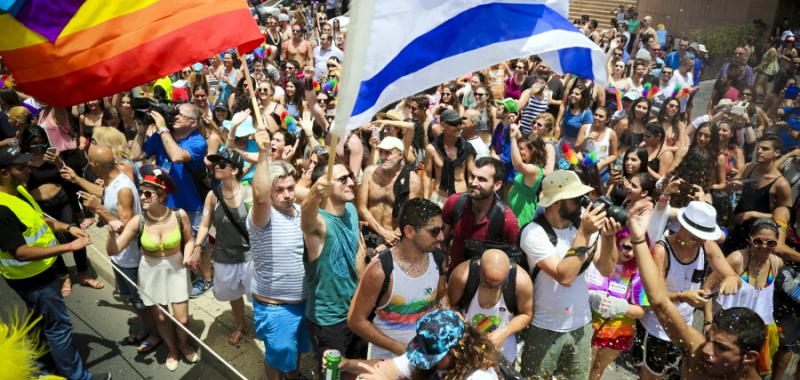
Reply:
x=37, y=234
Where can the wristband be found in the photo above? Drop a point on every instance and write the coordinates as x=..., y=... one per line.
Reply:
x=707, y=322
x=162, y=130
x=577, y=251
x=638, y=242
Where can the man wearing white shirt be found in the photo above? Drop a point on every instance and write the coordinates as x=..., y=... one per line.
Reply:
x=469, y=131
x=682, y=78
x=323, y=52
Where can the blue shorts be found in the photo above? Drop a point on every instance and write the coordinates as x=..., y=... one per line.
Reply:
x=283, y=330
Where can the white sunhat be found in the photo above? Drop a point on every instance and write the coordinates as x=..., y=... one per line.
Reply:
x=700, y=219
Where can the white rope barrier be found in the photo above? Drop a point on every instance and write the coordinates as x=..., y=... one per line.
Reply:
x=205, y=347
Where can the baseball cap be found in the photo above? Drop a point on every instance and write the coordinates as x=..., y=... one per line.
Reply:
x=632, y=95
x=230, y=156
x=437, y=333
x=390, y=142
x=700, y=219
x=509, y=104
x=10, y=155
x=702, y=48
x=220, y=104
x=155, y=176
x=283, y=17
x=560, y=185
x=243, y=130
x=450, y=117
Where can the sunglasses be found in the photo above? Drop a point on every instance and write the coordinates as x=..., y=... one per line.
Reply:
x=435, y=231
x=186, y=72
x=762, y=242
x=296, y=30
x=480, y=94
x=147, y=194
x=625, y=248
x=747, y=94
x=324, y=39
x=222, y=164
x=331, y=66
x=520, y=67
x=38, y=147
x=343, y=179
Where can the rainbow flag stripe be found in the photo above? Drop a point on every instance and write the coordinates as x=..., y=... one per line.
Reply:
x=65, y=52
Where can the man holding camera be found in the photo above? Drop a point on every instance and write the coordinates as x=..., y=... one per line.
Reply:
x=179, y=151
x=559, y=246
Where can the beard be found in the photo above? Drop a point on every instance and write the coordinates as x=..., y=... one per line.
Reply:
x=573, y=215
x=477, y=193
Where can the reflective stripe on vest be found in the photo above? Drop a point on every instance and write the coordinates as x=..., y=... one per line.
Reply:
x=36, y=234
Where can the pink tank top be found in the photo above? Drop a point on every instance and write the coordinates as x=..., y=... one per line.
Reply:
x=59, y=135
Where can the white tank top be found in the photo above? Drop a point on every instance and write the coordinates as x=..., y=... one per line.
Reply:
x=130, y=256
x=680, y=278
x=409, y=299
x=488, y=320
x=756, y=299
x=600, y=146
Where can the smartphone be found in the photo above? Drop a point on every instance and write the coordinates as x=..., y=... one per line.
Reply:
x=51, y=151
x=711, y=295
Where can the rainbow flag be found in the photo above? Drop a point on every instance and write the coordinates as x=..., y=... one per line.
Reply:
x=64, y=52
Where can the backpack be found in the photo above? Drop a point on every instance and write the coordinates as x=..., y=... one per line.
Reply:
x=497, y=220
x=473, y=280
x=551, y=235
x=387, y=264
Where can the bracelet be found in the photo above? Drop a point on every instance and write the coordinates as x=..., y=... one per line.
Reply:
x=638, y=241
x=162, y=130
x=577, y=251
x=707, y=322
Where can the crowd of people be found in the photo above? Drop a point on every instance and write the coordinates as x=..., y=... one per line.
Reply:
x=511, y=221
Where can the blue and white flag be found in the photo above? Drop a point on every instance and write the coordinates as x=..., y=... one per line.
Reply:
x=396, y=48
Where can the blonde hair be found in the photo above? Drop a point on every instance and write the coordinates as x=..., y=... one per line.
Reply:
x=114, y=139
x=19, y=115
x=549, y=125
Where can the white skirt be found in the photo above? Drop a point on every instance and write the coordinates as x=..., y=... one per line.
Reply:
x=164, y=280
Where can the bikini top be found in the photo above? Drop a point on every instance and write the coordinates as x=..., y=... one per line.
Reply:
x=170, y=241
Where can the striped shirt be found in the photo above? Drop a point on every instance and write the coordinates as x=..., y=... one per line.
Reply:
x=534, y=108
x=277, y=251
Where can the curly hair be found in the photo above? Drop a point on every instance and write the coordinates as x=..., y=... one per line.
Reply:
x=474, y=351
x=538, y=149
x=697, y=168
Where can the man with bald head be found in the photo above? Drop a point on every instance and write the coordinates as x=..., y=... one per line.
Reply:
x=496, y=296
x=119, y=204
x=471, y=128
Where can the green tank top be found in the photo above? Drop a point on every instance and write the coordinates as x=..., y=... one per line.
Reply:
x=332, y=278
x=523, y=199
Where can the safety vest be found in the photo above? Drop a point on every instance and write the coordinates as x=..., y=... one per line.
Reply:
x=37, y=234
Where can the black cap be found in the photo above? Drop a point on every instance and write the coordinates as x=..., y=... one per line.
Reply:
x=450, y=117
x=10, y=155
x=220, y=104
x=230, y=156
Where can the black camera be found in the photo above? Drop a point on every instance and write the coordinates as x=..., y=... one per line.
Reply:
x=612, y=211
x=143, y=106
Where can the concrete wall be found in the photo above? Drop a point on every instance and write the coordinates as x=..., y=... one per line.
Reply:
x=684, y=15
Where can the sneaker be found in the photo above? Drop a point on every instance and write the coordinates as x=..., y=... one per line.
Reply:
x=200, y=287
x=101, y=376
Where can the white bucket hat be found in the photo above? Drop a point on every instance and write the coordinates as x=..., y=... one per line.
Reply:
x=700, y=219
x=562, y=184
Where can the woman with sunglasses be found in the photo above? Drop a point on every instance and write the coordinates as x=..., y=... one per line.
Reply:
x=516, y=82
x=670, y=119
x=617, y=301
x=265, y=93
x=230, y=253
x=168, y=252
x=448, y=99
x=758, y=266
x=57, y=197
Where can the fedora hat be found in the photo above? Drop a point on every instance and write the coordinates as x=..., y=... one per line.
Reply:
x=562, y=184
x=700, y=219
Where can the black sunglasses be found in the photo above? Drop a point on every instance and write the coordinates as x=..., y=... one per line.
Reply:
x=435, y=231
x=343, y=179
x=221, y=164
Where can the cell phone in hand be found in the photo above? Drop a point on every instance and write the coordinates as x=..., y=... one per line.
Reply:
x=51, y=151
x=711, y=295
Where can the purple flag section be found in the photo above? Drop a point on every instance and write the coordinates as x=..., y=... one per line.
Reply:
x=47, y=17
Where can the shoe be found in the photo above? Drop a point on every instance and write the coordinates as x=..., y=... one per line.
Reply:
x=200, y=287
x=193, y=358
x=172, y=364
x=101, y=376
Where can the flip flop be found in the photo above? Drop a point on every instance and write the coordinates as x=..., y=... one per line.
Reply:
x=132, y=339
x=234, y=338
x=147, y=346
x=90, y=282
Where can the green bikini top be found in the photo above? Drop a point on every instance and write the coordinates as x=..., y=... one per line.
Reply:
x=170, y=241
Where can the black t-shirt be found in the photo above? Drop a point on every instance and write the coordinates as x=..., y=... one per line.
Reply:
x=11, y=229
x=555, y=85
x=6, y=130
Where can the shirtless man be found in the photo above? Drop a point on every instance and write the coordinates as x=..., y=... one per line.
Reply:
x=376, y=195
x=734, y=339
x=298, y=48
x=447, y=159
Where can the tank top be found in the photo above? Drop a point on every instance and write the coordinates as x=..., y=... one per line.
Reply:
x=491, y=319
x=409, y=299
x=680, y=278
x=534, y=108
x=230, y=246
x=130, y=256
x=655, y=163
x=759, y=300
x=754, y=198
x=601, y=146
x=59, y=134
x=225, y=90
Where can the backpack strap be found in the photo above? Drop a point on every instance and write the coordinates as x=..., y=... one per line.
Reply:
x=387, y=264
x=497, y=220
x=458, y=210
x=510, y=290
x=439, y=259
x=471, y=287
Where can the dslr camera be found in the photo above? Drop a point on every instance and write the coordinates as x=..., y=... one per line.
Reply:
x=612, y=211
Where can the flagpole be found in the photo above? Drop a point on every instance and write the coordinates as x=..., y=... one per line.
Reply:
x=251, y=90
x=332, y=154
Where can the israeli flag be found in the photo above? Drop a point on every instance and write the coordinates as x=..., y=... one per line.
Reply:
x=396, y=48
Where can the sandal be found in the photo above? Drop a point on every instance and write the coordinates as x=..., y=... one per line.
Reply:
x=91, y=282
x=236, y=336
x=148, y=346
x=135, y=339
x=66, y=286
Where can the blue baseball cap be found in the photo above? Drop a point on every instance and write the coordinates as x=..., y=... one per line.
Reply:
x=437, y=333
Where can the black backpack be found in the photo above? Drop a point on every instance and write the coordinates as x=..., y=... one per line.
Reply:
x=387, y=264
x=551, y=235
x=497, y=220
x=474, y=279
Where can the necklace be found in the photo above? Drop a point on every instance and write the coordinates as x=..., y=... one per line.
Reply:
x=239, y=190
x=159, y=220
